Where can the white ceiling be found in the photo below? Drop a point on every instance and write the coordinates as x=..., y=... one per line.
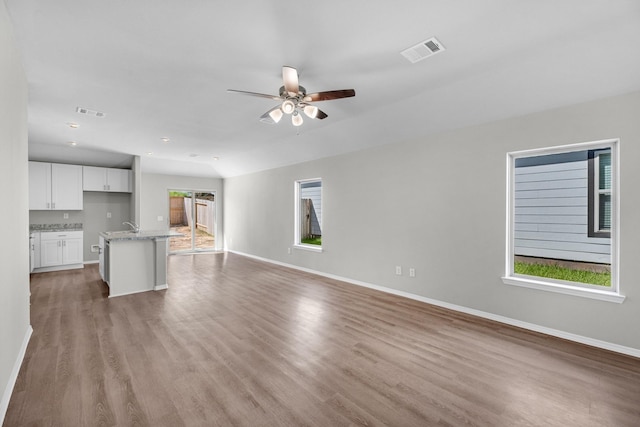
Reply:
x=161, y=69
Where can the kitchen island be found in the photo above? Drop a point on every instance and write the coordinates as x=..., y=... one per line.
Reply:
x=132, y=262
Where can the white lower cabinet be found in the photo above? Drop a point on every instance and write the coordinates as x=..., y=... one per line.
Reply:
x=61, y=248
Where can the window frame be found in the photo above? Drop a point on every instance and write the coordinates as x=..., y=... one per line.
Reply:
x=297, y=242
x=553, y=285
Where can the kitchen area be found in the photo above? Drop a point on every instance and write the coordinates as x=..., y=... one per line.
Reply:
x=77, y=216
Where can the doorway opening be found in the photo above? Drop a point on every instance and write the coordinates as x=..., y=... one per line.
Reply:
x=192, y=214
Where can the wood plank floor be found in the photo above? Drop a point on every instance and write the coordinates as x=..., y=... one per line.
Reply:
x=238, y=342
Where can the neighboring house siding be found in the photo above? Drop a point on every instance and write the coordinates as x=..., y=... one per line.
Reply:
x=551, y=210
x=313, y=191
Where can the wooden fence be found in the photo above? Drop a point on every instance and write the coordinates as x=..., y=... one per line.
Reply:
x=177, y=213
x=206, y=215
x=310, y=226
x=180, y=213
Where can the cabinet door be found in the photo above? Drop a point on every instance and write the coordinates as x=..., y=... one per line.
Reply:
x=94, y=178
x=119, y=180
x=66, y=187
x=50, y=253
x=72, y=251
x=39, y=186
x=36, y=250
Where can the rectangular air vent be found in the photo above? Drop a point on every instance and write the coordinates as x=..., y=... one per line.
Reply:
x=423, y=50
x=88, y=112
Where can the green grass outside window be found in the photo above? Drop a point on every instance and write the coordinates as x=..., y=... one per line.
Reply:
x=562, y=273
x=312, y=241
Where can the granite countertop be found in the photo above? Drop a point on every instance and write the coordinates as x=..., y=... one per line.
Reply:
x=56, y=227
x=142, y=235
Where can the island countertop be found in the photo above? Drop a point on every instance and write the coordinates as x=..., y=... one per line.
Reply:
x=141, y=235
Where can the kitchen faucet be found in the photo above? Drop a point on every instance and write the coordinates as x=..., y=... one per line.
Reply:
x=135, y=227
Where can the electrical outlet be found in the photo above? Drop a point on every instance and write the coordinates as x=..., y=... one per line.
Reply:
x=289, y=251
x=65, y=215
x=412, y=272
x=108, y=214
x=398, y=270
x=160, y=218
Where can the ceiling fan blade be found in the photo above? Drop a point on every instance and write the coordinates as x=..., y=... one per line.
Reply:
x=329, y=95
x=272, y=116
x=290, y=79
x=261, y=95
x=321, y=115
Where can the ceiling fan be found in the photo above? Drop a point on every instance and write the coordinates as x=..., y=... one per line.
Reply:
x=294, y=99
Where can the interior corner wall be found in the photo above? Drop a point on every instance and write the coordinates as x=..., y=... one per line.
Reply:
x=14, y=186
x=135, y=194
x=438, y=204
x=154, y=199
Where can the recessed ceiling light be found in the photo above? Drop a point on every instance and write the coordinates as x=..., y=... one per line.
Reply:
x=149, y=153
x=165, y=139
x=72, y=143
x=216, y=158
x=73, y=125
x=193, y=155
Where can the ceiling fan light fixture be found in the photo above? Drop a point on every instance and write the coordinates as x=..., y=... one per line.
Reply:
x=276, y=115
x=311, y=111
x=288, y=106
x=296, y=119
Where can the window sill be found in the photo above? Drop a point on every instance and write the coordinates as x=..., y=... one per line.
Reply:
x=312, y=248
x=531, y=283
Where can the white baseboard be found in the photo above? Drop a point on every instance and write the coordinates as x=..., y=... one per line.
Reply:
x=630, y=351
x=58, y=268
x=6, y=396
x=96, y=261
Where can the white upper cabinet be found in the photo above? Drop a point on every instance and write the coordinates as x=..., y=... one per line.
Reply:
x=54, y=186
x=106, y=179
x=66, y=187
x=39, y=186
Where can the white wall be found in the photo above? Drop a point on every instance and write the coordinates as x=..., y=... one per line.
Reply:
x=437, y=204
x=154, y=199
x=14, y=215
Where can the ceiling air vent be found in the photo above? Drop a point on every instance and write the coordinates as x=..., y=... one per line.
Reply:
x=423, y=50
x=88, y=112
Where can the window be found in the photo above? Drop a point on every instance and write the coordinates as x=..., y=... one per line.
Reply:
x=308, y=214
x=600, y=193
x=562, y=228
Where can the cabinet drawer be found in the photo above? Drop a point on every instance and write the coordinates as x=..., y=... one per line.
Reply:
x=58, y=235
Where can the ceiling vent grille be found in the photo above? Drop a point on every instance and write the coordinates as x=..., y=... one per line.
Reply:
x=423, y=50
x=88, y=112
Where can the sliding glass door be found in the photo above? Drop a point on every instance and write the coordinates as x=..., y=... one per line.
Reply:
x=192, y=214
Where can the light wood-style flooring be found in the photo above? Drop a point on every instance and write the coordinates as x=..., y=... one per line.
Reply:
x=239, y=342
